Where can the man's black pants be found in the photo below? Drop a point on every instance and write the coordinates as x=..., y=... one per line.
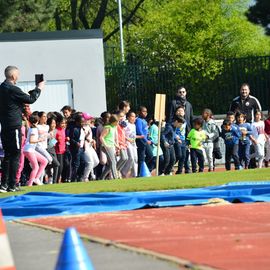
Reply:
x=11, y=141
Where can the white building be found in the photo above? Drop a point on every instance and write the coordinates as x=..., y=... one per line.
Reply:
x=72, y=63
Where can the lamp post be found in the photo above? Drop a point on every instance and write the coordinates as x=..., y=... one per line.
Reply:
x=121, y=30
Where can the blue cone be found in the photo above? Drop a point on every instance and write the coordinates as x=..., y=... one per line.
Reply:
x=144, y=172
x=73, y=255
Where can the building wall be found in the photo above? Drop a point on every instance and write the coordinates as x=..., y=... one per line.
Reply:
x=60, y=56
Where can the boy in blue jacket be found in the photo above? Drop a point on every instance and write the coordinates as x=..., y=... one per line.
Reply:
x=245, y=139
x=168, y=139
x=230, y=134
x=143, y=144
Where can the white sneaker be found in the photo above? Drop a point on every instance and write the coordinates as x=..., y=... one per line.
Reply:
x=38, y=182
x=50, y=180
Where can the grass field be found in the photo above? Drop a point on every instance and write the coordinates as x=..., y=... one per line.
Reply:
x=153, y=183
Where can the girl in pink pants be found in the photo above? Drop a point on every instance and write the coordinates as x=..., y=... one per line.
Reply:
x=37, y=161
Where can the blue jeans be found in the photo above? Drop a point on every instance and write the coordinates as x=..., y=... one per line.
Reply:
x=169, y=158
x=231, y=152
x=77, y=162
x=180, y=154
x=152, y=164
x=141, y=147
x=244, y=154
x=144, y=153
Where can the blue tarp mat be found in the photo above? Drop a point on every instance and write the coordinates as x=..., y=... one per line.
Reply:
x=37, y=204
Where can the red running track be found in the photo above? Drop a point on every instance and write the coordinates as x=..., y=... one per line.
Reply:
x=235, y=236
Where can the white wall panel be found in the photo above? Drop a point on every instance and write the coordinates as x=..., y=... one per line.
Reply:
x=60, y=56
x=55, y=95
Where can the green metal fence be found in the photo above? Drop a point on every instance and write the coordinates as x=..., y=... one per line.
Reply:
x=139, y=84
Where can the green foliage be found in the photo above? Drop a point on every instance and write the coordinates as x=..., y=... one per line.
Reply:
x=26, y=16
x=49, y=15
x=195, y=34
x=259, y=14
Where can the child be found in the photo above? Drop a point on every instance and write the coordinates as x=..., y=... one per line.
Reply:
x=43, y=133
x=108, y=139
x=67, y=111
x=60, y=146
x=180, y=146
x=261, y=139
x=90, y=155
x=77, y=138
x=231, y=117
x=38, y=162
x=230, y=133
x=104, y=120
x=121, y=137
x=196, y=137
x=153, y=137
x=244, y=140
x=267, y=134
x=51, y=150
x=168, y=138
x=124, y=106
x=67, y=158
x=211, y=130
x=180, y=111
x=132, y=162
x=143, y=144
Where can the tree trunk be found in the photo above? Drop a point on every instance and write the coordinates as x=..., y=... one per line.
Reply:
x=100, y=15
x=57, y=20
x=73, y=4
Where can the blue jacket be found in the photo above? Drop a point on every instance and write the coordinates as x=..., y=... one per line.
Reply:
x=74, y=134
x=245, y=139
x=232, y=136
x=168, y=134
x=182, y=133
x=141, y=129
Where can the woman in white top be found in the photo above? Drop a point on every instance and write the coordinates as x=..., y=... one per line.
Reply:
x=38, y=162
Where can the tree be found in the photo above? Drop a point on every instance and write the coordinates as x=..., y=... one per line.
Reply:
x=93, y=14
x=259, y=13
x=195, y=35
x=48, y=15
x=24, y=16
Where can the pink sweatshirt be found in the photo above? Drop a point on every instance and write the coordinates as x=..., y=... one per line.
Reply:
x=121, y=137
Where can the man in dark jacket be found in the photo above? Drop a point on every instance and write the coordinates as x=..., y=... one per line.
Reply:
x=246, y=103
x=12, y=100
x=181, y=100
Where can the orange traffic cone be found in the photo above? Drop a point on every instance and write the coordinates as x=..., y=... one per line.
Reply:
x=6, y=259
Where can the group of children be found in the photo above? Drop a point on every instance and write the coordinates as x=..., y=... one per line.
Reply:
x=74, y=146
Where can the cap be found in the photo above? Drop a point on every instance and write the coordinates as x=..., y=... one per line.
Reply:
x=87, y=116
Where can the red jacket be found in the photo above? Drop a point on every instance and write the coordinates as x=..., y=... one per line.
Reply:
x=60, y=147
x=267, y=126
